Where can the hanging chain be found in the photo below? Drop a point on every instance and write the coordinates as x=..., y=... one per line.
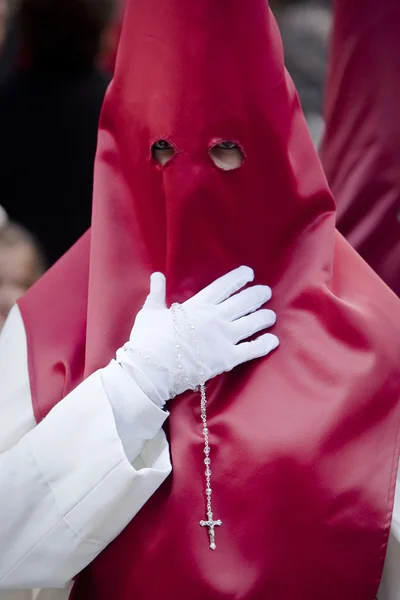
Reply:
x=210, y=523
x=179, y=377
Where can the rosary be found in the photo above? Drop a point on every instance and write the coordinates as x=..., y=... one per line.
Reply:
x=176, y=310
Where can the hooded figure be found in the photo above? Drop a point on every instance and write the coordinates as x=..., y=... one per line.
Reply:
x=361, y=148
x=205, y=162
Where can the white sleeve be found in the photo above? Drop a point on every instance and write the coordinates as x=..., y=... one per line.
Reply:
x=390, y=585
x=67, y=488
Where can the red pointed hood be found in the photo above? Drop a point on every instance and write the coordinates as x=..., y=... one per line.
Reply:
x=194, y=76
x=305, y=440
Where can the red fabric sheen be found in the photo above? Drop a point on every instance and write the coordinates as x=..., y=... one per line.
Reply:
x=304, y=442
x=361, y=148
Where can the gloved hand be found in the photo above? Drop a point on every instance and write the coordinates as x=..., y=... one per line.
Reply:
x=210, y=326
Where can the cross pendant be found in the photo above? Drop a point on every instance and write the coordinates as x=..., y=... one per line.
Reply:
x=211, y=524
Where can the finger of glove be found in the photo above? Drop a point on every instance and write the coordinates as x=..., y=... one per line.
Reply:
x=247, y=326
x=246, y=302
x=225, y=286
x=156, y=297
x=252, y=350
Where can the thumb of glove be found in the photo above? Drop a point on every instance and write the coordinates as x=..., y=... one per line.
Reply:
x=157, y=296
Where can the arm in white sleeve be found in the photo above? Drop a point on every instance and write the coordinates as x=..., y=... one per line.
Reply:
x=390, y=584
x=67, y=487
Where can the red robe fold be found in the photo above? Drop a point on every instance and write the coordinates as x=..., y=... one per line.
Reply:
x=361, y=149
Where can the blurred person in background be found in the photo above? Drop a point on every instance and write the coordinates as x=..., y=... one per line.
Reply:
x=49, y=111
x=361, y=149
x=3, y=19
x=21, y=264
x=361, y=157
x=9, y=39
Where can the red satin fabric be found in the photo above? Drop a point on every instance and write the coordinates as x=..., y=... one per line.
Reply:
x=361, y=149
x=304, y=442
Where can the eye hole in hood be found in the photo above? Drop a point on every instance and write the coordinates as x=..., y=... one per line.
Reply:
x=227, y=155
x=162, y=151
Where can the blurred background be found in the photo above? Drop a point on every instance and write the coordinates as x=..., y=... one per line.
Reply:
x=305, y=28
x=56, y=61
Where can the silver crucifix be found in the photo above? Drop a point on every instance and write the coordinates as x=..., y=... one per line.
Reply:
x=211, y=524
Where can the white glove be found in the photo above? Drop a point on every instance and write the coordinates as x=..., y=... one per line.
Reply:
x=220, y=321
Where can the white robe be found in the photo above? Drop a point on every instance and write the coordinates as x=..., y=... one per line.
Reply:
x=67, y=488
